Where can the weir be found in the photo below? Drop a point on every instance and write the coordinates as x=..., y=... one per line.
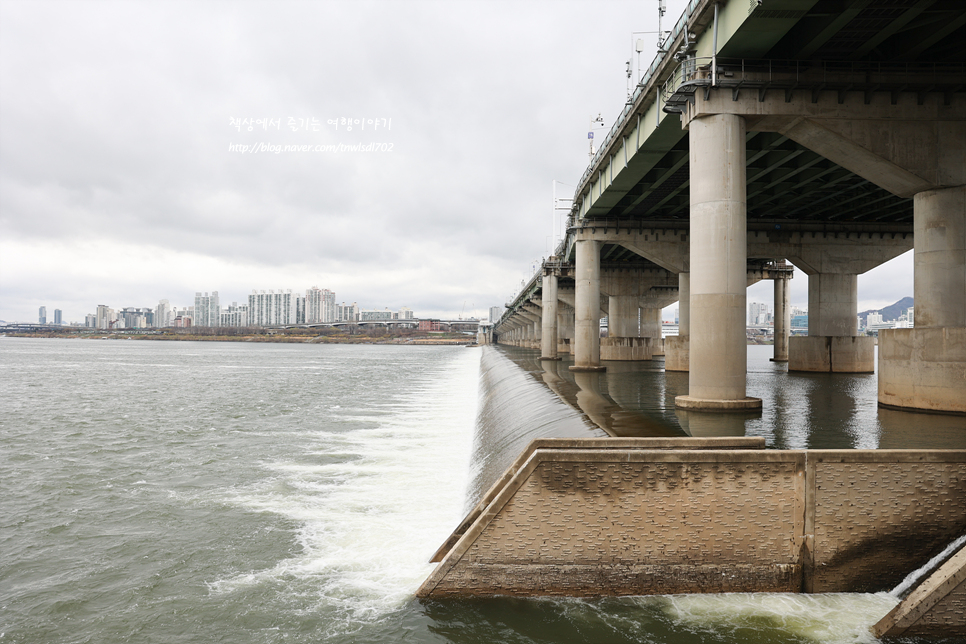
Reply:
x=665, y=516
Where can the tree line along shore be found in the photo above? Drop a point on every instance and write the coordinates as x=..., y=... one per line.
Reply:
x=349, y=335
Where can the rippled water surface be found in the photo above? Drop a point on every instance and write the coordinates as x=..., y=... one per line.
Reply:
x=236, y=492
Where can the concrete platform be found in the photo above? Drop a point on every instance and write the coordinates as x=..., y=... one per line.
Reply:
x=936, y=608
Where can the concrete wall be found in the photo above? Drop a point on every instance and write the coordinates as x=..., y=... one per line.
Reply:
x=625, y=348
x=591, y=522
x=923, y=369
x=832, y=354
x=676, y=353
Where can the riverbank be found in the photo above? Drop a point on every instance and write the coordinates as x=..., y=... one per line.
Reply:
x=297, y=336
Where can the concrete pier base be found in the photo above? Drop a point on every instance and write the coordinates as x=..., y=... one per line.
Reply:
x=831, y=354
x=923, y=369
x=625, y=348
x=707, y=404
x=676, y=353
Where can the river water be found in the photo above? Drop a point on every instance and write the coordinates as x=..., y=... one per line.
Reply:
x=171, y=492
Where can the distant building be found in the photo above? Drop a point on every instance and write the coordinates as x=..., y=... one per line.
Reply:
x=207, y=310
x=758, y=314
x=496, y=312
x=371, y=315
x=347, y=312
x=58, y=317
x=271, y=309
x=105, y=317
x=90, y=321
x=234, y=316
x=162, y=314
x=405, y=313
x=320, y=306
x=429, y=325
x=800, y=321
x=42, y=316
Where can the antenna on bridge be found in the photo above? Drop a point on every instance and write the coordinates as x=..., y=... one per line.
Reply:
x=594, y=122
x=559, y=204
x=661, y=10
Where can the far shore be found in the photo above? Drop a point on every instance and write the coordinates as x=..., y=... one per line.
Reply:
x=297, y=336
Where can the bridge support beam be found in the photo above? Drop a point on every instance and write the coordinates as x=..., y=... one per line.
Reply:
x=718, y=350
x=925, y=368
x=548, y=340
x=587, y=307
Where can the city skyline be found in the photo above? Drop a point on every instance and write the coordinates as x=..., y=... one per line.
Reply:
x=130, y=191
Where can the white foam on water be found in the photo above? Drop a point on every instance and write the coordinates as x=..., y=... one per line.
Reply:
x=833, y=618
x=369, y=524
x=916, y=575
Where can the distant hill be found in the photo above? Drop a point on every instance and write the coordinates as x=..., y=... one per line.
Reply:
x=891, y=312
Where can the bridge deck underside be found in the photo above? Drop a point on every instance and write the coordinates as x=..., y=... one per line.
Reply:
x=785, y=183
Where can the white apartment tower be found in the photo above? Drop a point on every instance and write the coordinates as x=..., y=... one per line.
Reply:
x=207, y=310
x=162, y=314
x=320, y=306
x=271, y=309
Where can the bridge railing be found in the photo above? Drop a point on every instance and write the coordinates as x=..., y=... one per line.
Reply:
x=642, y=86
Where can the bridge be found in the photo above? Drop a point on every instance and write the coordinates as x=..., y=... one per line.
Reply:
x=828, y=134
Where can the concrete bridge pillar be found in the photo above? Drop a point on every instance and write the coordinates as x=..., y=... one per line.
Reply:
x=718, y=350
x=624, y=341
x=565, y=328
x=651, y=328
x=925, y=367
x=832, y=344
x=548, y=340
x=676, y=347
x=587, y=307
x=622, y=317
x=783, y=319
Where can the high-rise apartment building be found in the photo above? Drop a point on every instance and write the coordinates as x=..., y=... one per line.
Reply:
x=42, y=315
x=58, y=317
x=271, y=309
x=234, y=315
x=758, y=314
x=320, y=306
x=90, y=321
x=496, y=312
x=347, y=312
x=162, y=314
x=207, y=309
x=405, y=313
x=105, y=317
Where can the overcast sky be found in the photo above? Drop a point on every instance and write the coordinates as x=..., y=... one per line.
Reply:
x=118, y=185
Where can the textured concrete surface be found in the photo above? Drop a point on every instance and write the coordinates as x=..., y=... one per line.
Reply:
x=923, y=369
x=936, y=607
x=676, y=353
x=590, y=443
x=831, y=354
x=625, y=348
x=585, y=520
